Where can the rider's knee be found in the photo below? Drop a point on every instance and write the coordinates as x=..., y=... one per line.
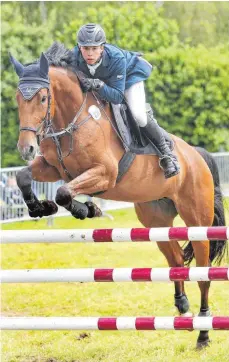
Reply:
x=141, y=118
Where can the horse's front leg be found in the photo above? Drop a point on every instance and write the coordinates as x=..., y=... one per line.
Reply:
x=91, y=181
x=39, y=170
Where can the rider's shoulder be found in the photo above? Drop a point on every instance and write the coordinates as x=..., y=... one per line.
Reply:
x=113, y=51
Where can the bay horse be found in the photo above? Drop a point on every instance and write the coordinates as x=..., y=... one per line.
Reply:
x=64, y=141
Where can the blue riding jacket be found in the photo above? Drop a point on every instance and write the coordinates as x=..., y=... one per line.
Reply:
x=119, y=70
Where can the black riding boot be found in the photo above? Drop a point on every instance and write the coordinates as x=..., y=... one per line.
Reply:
x=167, y=161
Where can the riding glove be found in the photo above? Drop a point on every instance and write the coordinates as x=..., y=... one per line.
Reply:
x=89, y=84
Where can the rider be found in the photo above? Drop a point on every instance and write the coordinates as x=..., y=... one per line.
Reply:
x=117, y=74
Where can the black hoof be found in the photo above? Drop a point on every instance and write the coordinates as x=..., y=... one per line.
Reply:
x=182, y=303
x=37, y=211
x=93, y=210
x=80, y=214
x=50, y=207
x=78, y=210
x=63, y=197
x=43, y=208
x=203, y=344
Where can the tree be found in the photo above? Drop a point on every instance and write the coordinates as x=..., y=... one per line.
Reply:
x=188, y=88
x=200, y=22
x=133, y=25
x=189, y=91
x=26, y=42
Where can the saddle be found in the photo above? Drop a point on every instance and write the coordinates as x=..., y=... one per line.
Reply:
x=133, y=139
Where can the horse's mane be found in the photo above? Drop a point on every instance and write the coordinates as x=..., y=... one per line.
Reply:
x=59, y=56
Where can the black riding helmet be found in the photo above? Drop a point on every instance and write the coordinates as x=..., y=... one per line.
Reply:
x=91, y=35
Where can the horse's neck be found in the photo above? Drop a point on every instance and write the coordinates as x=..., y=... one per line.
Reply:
x=67, y=100
x=67, y=96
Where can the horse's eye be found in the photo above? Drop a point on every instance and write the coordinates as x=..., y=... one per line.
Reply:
x=43, y=99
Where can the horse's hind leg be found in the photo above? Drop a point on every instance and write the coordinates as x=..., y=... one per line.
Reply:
x=161, y=213
x=198, y=210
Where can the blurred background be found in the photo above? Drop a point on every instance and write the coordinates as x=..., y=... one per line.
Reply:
x=186, y=42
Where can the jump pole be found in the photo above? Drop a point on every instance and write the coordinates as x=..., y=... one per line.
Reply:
x=115, y=235
x=85, y=275
x=114, y=323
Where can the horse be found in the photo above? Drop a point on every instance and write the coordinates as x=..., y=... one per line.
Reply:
x=63, y=141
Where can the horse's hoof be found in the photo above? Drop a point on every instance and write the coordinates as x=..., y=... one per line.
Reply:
x=63, y=197
x=203, y=344
x=38, y=211
x=50, y=207
x=78, y=210
x=182, y=303
x=79, y=213
x=93, y=210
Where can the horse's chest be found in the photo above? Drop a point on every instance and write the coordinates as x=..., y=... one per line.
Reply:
x=75, y=159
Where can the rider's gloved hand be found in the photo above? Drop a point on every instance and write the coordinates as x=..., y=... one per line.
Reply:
x=89, y=84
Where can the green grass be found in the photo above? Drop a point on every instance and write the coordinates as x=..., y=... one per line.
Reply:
x=102, y=299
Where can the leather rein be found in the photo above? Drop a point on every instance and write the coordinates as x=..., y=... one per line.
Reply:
x=46, y=130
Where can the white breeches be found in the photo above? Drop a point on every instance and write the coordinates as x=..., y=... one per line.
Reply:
x=136, y=100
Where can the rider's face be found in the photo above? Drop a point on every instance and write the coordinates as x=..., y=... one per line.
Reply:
x=91, y=54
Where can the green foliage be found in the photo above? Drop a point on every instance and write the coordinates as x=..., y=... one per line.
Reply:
x=188, y=88
x=25, y=42
x=200, y=22
x=27, y=39
x=189, y=91
x=131, y=25
x=64, y=11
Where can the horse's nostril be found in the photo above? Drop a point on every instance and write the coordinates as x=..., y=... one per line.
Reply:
x=31, y=149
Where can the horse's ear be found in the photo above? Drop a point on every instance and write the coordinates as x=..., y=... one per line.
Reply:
x=18, y=67
x=44, y=65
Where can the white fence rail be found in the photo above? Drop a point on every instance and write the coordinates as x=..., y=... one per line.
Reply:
x=13, y=207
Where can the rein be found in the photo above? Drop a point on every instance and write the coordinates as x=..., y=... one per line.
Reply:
x=50, y=133
x=46, y=130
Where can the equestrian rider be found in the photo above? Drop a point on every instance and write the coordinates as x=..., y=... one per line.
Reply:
x=117, y=74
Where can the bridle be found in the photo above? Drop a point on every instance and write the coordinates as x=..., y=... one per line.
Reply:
x=46, y=129
x=47, y=118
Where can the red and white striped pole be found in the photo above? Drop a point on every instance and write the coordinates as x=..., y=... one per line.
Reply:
x=85, y=275
x=115, y=235
x=114, y=323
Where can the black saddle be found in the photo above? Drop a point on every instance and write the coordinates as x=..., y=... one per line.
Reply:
x=131, y=134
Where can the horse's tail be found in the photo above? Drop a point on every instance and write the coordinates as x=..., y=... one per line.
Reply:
x=218, y=248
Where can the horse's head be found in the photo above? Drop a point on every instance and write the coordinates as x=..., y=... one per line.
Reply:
x=33, y=98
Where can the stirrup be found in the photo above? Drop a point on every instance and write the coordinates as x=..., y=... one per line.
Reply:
x=167, y=171
x=164, y=157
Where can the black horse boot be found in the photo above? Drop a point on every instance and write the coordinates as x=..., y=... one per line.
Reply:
x=167, y=160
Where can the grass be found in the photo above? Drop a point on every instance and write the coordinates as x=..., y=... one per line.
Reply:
x=102, y=299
